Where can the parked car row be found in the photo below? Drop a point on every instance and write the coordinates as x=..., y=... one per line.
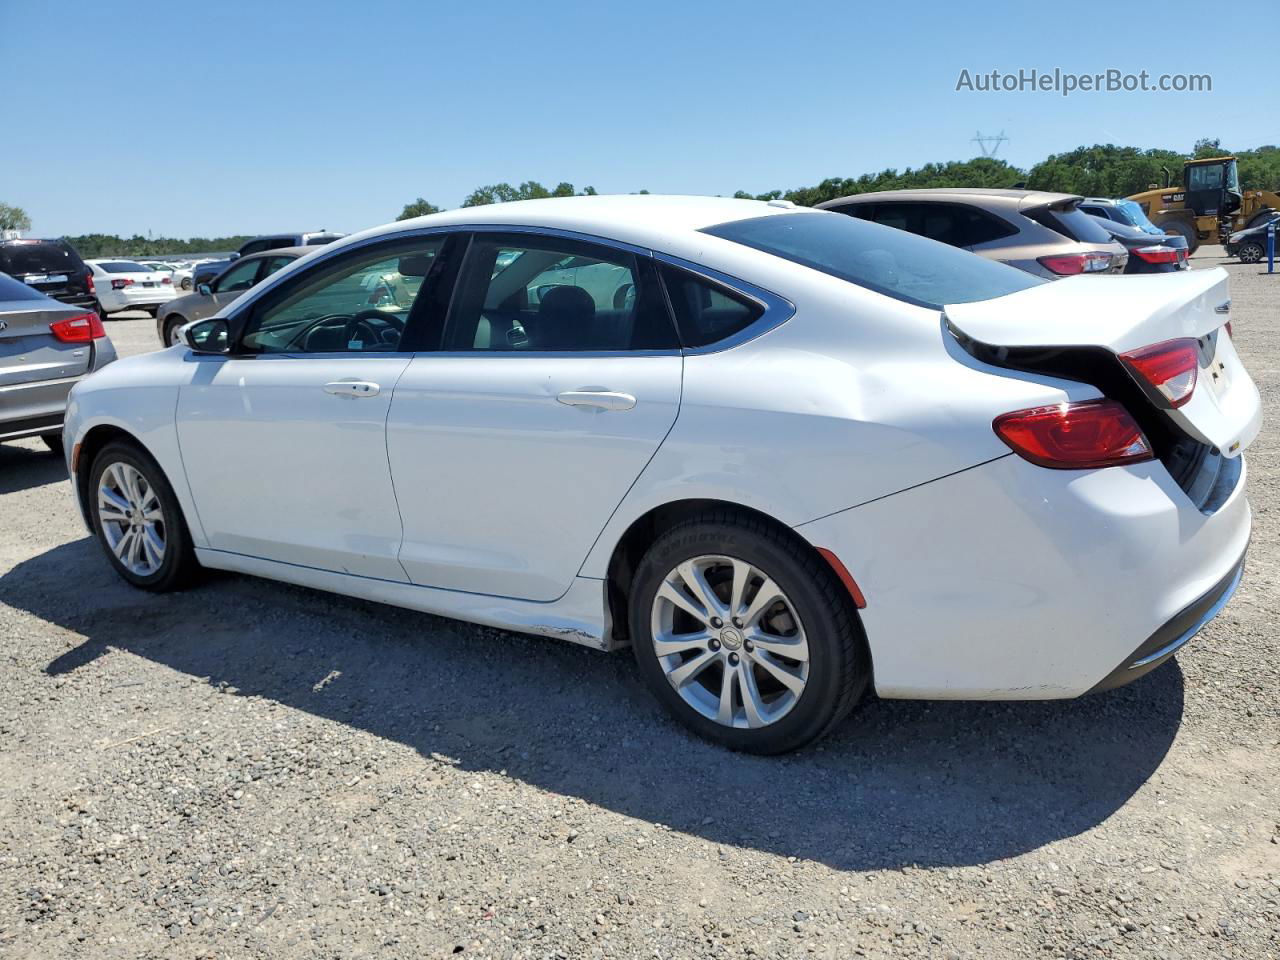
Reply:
x=206, y=271
x=786, y=455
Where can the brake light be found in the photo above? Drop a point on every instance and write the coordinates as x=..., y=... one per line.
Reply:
x=88, y=279
x=164, y=280
x=1229, y=333
x=1158, y=254
x=1068, y=264
x=121, y=283
x=78, y=329
x=1074, y=436
x=1169, y=367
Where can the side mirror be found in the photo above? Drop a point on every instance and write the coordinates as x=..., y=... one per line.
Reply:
x=205, y=289
x=208, y=336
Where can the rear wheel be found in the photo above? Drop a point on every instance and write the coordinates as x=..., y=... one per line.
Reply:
x=53, y=441
x=745, y=635
x=102, y=311
x=136, y=518
x=1251, y=252
x=1184, y=230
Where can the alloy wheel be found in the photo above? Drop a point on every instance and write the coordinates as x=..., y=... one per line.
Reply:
x=730, y=641
x=132, y=518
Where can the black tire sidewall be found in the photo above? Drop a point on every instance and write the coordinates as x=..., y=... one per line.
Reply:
x=177, y=540
x=823, y=627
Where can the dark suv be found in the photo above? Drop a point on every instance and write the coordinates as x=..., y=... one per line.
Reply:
x=51, y=266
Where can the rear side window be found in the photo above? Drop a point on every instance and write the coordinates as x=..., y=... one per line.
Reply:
x=11, y=289
x=895, y=263
x=1072, y=222
x=20, y=257
x=706, y=313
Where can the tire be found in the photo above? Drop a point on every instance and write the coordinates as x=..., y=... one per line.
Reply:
x=53, y=441
x=171, y=325
x=1251, y=251
x=176, y=563
x=1184, y=230
x=152, y=310
x=102, y=311
x=813, y=615
x=185, y=283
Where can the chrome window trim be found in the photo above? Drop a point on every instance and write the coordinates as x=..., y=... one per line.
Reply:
x=777, y=310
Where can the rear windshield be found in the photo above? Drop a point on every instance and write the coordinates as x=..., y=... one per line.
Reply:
x=893, y=262
x=1072, y=222
x=11, y=289
x=122, y=266
x=1134, y=215
x=19, y=257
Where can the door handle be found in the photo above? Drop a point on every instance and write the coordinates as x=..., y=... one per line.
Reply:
x=352, y=388
x=599, y=399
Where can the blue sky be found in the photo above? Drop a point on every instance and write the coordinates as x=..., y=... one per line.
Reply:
x=232, y=117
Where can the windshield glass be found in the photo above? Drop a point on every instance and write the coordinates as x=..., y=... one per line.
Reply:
x=1132, y=214
x=1233, y=177
x=892, y=262
x=38, y=256
x=122, y=266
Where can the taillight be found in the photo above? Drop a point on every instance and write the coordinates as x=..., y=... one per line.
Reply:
x=1067, y=264
x=1228, y=326
x=121, y=283
x=166, y=280
x=88, y=279
x=1169, y=367
x=78, y=329
x=1158, y=254
x=1074, y=436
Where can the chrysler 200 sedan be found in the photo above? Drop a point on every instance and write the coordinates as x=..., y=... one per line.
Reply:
x=783, y=454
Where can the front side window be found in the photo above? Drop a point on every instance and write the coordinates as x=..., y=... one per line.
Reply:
x=895, y=263
x=238, y=278
x=1208, y=177
x=523, y=293
x=358, y=303
x=273, y=264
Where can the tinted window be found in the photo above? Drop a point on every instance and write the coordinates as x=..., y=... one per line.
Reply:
x=1072, y=222
x=951, y=223
x=893, y=262
x=524, y=293
x=705, y=313
x=11, y=289
x=122, y=266
x=273, y=264
x=39, y=256
x=360, y=303
x=254, y=246
x=1208, y=177
x=239, y=277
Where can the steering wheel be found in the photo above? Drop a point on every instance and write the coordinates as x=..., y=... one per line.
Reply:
x=352, y=326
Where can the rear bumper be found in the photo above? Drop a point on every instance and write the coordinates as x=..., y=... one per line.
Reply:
x=129, y=298
x=31, y=409
x=1009, y=581
x=1175, y=634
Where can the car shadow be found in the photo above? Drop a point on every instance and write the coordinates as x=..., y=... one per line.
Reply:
x=899, y=783
x=23, y=468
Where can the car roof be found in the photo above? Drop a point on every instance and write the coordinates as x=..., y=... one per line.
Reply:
x=276, y=252
x=999, y=198
x=645, y=220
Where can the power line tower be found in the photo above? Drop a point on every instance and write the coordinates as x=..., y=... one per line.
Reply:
x=989, y=145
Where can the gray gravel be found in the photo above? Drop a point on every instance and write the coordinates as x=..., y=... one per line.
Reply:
x=249, y=769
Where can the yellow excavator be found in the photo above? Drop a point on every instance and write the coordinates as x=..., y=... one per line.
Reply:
x=1209, y=205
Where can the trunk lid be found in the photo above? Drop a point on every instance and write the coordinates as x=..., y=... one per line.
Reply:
x=29, y=352
x=1122, y=314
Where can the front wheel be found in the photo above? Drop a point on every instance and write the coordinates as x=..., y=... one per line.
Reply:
x=171, y=327
x=136, y=518
x=186, y=283
x=746, y=636
x=1251, y=252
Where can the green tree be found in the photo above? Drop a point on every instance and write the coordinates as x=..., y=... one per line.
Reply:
x=14, y=218
x=419, y=208
x=529, y=190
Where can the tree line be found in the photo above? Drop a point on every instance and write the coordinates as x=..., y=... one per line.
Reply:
x=1104, y=170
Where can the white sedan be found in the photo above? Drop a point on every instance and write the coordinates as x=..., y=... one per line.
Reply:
x=178, y=271
x=802, y=454
x=128, y=285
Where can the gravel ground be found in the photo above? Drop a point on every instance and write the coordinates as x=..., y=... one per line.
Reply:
x=249, y=769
